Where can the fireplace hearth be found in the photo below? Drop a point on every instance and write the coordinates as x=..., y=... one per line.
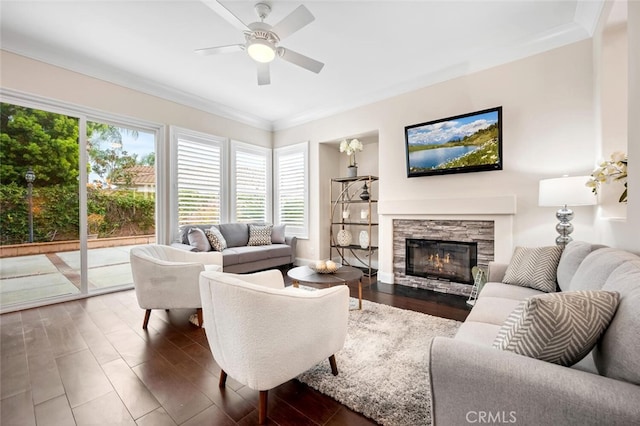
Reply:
x=441, y=260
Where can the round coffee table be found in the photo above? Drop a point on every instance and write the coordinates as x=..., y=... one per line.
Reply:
x=344, y=275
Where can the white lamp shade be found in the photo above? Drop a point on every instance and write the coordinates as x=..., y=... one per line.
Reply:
x=569, y=191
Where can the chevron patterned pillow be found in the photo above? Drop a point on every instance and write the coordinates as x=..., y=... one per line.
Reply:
x=534, y=267
x=259, y=235
x=561, y=328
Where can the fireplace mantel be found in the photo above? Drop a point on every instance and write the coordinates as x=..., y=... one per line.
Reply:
x=493, y=205
x=501, y=209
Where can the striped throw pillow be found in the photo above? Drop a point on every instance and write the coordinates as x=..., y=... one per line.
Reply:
x=534, y=267
x=217, y=241
x=259, y=235
x=561, y=328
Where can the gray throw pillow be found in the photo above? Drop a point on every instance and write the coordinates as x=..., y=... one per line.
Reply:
x=561, y=328
x=277, y=234
x=534, y=267
x=198, y=239
x=259, y=235
x=216, y=239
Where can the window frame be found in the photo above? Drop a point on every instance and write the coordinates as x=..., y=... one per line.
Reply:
x=177, y=133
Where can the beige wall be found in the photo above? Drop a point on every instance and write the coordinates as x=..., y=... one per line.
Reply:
x=621, y=228
x=548, y=128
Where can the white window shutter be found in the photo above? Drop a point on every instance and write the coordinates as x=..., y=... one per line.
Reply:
x=251, y=184
x=199, y=182
x=291, y=189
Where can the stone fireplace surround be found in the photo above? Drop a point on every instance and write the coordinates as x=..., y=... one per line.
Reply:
x=479, y=231
x=501, y=209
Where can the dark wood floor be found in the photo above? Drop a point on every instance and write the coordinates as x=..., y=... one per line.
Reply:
x=89, y=362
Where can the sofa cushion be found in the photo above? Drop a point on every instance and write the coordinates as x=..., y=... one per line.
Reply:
x=507, y=291
x=597, y=267
x=236, y=234
x=534, y=267
x=198, y=239
x=230, y=256
x=558, y=327
x=481, y=333
x=217, y=241
x=617, y=355
x=279, y=250
x=572, y=256
x=259, y=235
x=493, y=310
x=248, y=254
x=278, y=234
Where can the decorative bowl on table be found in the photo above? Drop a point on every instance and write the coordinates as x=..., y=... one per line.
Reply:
x=325, y=267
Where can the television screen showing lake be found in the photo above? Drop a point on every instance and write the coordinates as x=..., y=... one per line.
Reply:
x=431, y=158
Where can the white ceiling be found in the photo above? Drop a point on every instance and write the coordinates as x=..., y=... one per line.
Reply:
x=371, y=49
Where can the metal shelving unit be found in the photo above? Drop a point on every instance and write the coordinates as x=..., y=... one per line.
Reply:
x=345, y=193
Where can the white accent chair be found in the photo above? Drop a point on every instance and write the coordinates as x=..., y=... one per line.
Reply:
x=263, y=334
x=167, y=278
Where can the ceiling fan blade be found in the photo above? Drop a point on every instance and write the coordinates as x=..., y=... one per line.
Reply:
x=226, y=14
x=300, y=60
x=232, y=48
x=264, y=75
x=297, y=19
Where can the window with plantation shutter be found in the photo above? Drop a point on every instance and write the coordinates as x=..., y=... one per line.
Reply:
x=291, y=183
x=198, y=178
x=250, y=183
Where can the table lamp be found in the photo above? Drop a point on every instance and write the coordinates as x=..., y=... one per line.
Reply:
x=563, y=192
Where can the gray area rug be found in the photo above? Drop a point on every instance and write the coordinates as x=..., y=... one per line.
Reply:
x=383, y=367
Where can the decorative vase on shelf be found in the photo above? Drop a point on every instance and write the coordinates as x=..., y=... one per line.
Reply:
x=365, y=192
x=352, y=171
x=343, y=238
x=364, y=239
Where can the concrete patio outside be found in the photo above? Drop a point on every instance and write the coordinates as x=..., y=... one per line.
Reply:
x=30, y=278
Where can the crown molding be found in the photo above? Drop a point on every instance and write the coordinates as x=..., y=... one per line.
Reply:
x=136, y=82
x=485, y=59
x=588, y=14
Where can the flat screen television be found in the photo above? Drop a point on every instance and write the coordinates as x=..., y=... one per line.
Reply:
x=459, y=144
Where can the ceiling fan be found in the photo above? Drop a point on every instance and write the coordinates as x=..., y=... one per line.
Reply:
x=262, y=39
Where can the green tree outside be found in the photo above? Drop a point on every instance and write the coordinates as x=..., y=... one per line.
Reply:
x=47, y=143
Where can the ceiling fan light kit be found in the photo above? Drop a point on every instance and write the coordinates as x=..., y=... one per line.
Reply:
x=261, y=50
x=261, y=39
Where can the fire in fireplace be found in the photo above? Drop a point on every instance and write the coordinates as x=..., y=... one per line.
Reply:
x=441, y=260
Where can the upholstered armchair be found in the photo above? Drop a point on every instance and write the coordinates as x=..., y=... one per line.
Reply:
x=167, y=278
x=263, y=334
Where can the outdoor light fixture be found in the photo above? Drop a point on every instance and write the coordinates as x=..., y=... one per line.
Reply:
x=260, y=50
x=563, y=192
x=30, y=177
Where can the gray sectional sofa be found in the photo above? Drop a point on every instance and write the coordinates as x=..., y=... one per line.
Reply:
x=473, y=382
x=238, y=257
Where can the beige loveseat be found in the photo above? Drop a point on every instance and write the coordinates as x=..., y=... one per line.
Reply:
x=473, y=382
x=238, y=257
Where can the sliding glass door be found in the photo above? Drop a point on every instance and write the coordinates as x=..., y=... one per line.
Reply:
x=40, y=211
x=121, y=195
x=75, y=196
